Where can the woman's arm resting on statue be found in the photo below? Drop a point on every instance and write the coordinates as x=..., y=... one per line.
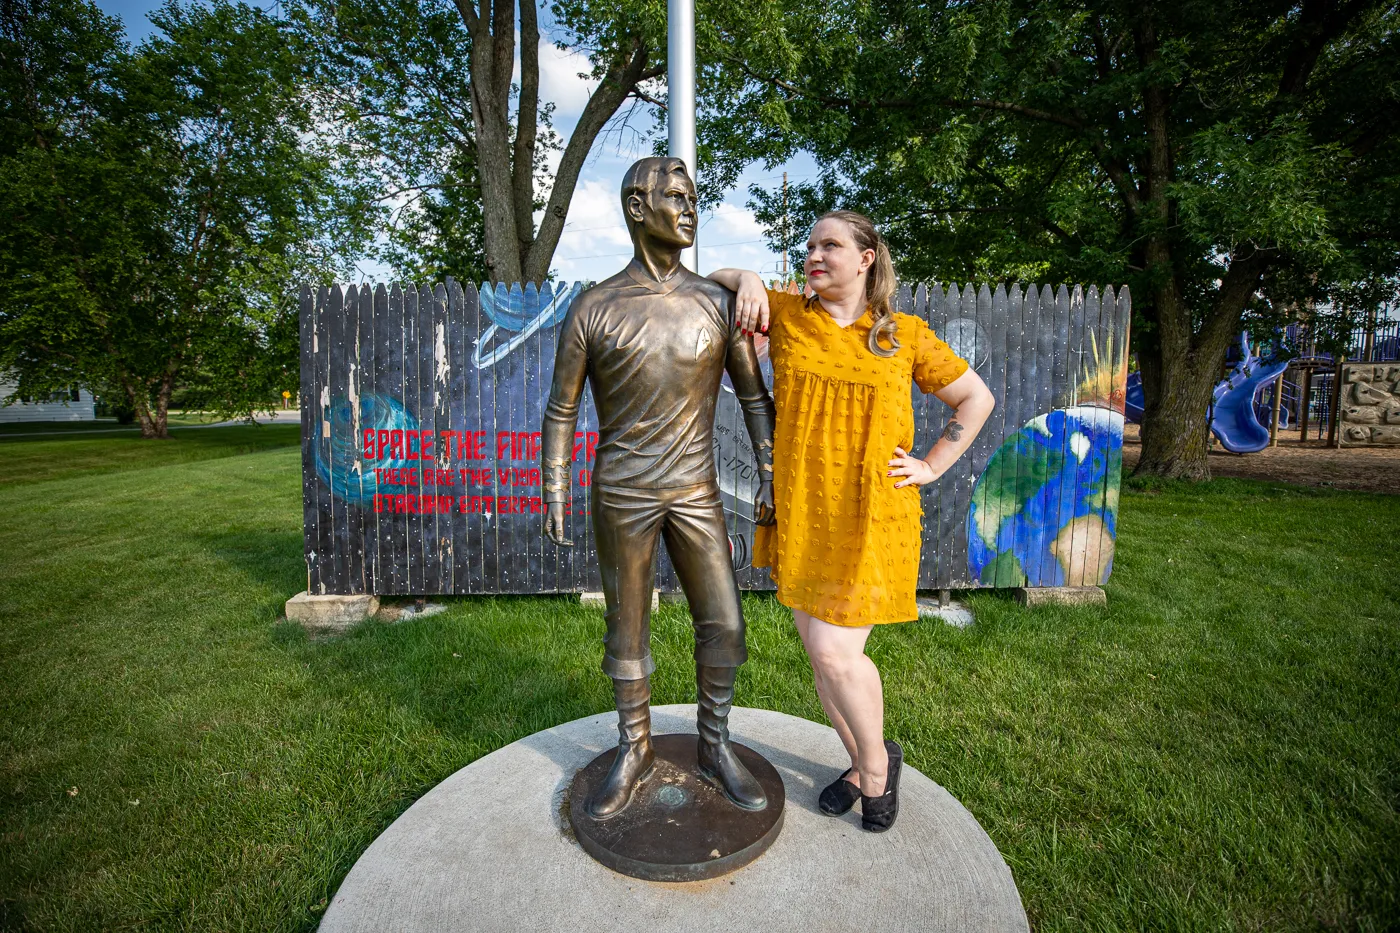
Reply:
x=972, y=402
x=751, y=298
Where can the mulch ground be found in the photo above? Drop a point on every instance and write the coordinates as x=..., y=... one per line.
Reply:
x=1369, y=469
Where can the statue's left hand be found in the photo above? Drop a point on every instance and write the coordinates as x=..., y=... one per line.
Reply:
x=763, y=511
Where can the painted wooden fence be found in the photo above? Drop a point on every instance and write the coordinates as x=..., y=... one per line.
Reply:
x=422, y=409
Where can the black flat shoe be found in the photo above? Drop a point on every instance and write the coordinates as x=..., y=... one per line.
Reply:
x=877, y=813
x=839, y=796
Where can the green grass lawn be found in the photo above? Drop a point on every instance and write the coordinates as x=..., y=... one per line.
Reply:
x=77, y=453
x=1215, y=751
x=28, y=429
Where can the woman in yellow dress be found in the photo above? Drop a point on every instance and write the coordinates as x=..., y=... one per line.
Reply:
x=845, y=550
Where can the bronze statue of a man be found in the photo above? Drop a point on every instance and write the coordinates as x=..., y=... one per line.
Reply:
x=655, y=341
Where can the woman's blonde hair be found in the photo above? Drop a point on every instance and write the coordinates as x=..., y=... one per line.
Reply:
x=879, y=279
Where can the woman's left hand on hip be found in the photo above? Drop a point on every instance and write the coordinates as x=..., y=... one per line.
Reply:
x=914, y=470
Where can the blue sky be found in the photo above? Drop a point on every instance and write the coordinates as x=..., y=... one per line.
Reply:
x=595, y=242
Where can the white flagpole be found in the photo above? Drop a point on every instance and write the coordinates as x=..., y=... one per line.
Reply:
x=680, y=83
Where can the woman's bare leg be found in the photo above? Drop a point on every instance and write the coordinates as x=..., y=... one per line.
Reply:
x=802, y=620
x=851, y=683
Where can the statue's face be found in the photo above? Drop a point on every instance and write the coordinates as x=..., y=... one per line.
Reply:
x=668, y=212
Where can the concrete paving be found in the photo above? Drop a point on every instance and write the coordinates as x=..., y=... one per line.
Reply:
x=489, y=850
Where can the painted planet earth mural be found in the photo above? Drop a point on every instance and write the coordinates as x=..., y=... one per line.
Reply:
x=1045, y=510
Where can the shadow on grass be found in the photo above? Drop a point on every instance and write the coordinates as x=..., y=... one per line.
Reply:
x=486, y=672
x=416, y=701
x=1229, y=488
x=273, y=559
x=494, y=669
x=12, y=917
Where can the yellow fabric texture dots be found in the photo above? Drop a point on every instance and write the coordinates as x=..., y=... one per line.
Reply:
x=846, y=544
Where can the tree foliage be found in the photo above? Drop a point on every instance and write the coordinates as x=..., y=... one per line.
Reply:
x=161, y=204
x=1216, y=156
x=394, y=81
x=423, y=92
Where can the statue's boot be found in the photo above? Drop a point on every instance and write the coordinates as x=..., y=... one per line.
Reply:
x=635, y=757
x=715, y=755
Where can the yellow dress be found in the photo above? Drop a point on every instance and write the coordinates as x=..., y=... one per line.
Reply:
x=845, y=548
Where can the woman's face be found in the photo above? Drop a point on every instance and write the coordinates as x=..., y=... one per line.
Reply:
x=835, y=266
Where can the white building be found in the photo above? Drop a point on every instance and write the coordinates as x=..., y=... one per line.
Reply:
x=75, y=405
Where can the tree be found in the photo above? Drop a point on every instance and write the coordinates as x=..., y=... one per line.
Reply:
x=161, y=204
x=424, y=91
x=1197, y=151
x=438, y=232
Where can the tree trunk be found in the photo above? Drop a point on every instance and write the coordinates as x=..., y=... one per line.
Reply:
x=1177, y=380
x=1180, y=370
x=627, y=69
x=162, y=413
x=141, y=404
x=491, y=57
x=514, y=252
x=1175, y=430
x=1177, y=374
x=146, y=420
x=526, y=133
x=154, y=422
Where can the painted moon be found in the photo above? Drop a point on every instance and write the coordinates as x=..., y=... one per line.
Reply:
x=967, y=339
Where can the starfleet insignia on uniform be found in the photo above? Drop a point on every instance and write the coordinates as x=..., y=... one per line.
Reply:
x=702, y=344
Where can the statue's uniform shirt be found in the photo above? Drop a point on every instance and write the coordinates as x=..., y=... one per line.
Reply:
x=655, y=354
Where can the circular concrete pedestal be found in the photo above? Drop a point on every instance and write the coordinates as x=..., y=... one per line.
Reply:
x=490, y=849
x=678, y=826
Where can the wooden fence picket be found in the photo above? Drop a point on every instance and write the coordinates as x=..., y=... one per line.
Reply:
x=310, y=429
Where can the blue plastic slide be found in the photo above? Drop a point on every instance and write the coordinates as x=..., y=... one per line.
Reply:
x=1132, y=407
x=1234, y=419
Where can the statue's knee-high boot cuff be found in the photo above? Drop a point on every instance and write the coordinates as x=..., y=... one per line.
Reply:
x=714, y=753
x=635, y=757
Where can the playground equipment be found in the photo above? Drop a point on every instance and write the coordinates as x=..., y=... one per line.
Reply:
x=1238, y=418
x=1233, y=419
x=1315, y=399
x=1133, y=403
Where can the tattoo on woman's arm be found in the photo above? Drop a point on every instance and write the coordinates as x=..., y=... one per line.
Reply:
x=953, y=432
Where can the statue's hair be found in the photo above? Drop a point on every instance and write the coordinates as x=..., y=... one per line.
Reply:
x=644, y=175
x=879, y=279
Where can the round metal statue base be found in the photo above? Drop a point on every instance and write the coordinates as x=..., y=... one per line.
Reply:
x=679, y=826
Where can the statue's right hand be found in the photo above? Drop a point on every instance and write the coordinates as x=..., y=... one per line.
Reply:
x=554, y=527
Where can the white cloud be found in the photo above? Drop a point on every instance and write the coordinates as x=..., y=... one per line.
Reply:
x=595, y=243
x=729, y=222
x=746, y=256
x=560, y=82
x=731, y=237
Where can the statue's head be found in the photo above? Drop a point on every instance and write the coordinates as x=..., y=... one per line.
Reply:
x=658, y=200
